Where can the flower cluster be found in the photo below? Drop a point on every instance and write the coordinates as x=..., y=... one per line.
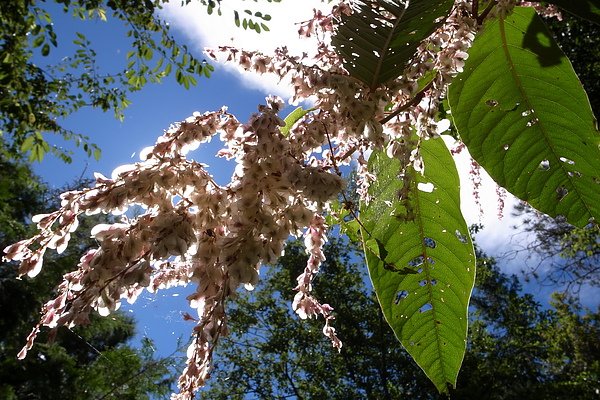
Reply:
x=193, y=230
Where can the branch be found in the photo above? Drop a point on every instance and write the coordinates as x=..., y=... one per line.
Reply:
x=485, y=12
x=414, y=101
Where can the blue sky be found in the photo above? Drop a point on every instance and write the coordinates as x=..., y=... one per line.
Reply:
x=157, y=106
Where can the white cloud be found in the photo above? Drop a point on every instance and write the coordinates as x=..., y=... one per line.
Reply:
x=213, y=30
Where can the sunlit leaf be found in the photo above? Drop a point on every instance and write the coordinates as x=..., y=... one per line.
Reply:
x=292, y=118
x=37, y=153
x=524, y=116
x=427, y=235
x=27, y=144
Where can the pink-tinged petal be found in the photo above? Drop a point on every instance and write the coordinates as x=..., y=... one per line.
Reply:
x=33, y=264
x=17, y=251
x=30, y=339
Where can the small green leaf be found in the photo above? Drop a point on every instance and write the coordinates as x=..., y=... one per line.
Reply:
x=37, y=153
x=45, y=49
x=38, y=41
x=133, y=80
x=148, y=54
x=292, y=118
x=27, y=144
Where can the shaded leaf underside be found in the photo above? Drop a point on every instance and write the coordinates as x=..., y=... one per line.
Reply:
x=427, y=309
x=524, y=116
x=381, y=36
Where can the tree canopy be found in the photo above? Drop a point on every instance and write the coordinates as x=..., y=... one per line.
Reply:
x=378, y=86
x=270, y=355
x=557, y=252
x=38, y=93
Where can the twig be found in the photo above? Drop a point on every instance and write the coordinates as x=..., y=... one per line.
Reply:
x=414, y=101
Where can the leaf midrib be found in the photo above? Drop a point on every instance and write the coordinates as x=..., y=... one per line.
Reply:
x=386, y=48
x=428, y=276
x=517, y=79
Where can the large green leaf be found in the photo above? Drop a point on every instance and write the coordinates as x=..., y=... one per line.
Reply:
x=585, y=9
x=427, y=309
x=524, y=116
x=377, y=39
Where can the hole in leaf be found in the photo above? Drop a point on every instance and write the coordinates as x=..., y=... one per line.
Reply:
x=415, y=262
x=424, y=282
x=576, y=174
x=430, y=261
x=419, y=270
x=426, y=307
x=561, y=192
x=462, y=238
x=491, y=103
x=506, y=147
x=401, y=295
x=429, y=242
x=526, y=113
x=532, y=122
x=426, y=187
x=566, y=160
x=544, y=165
